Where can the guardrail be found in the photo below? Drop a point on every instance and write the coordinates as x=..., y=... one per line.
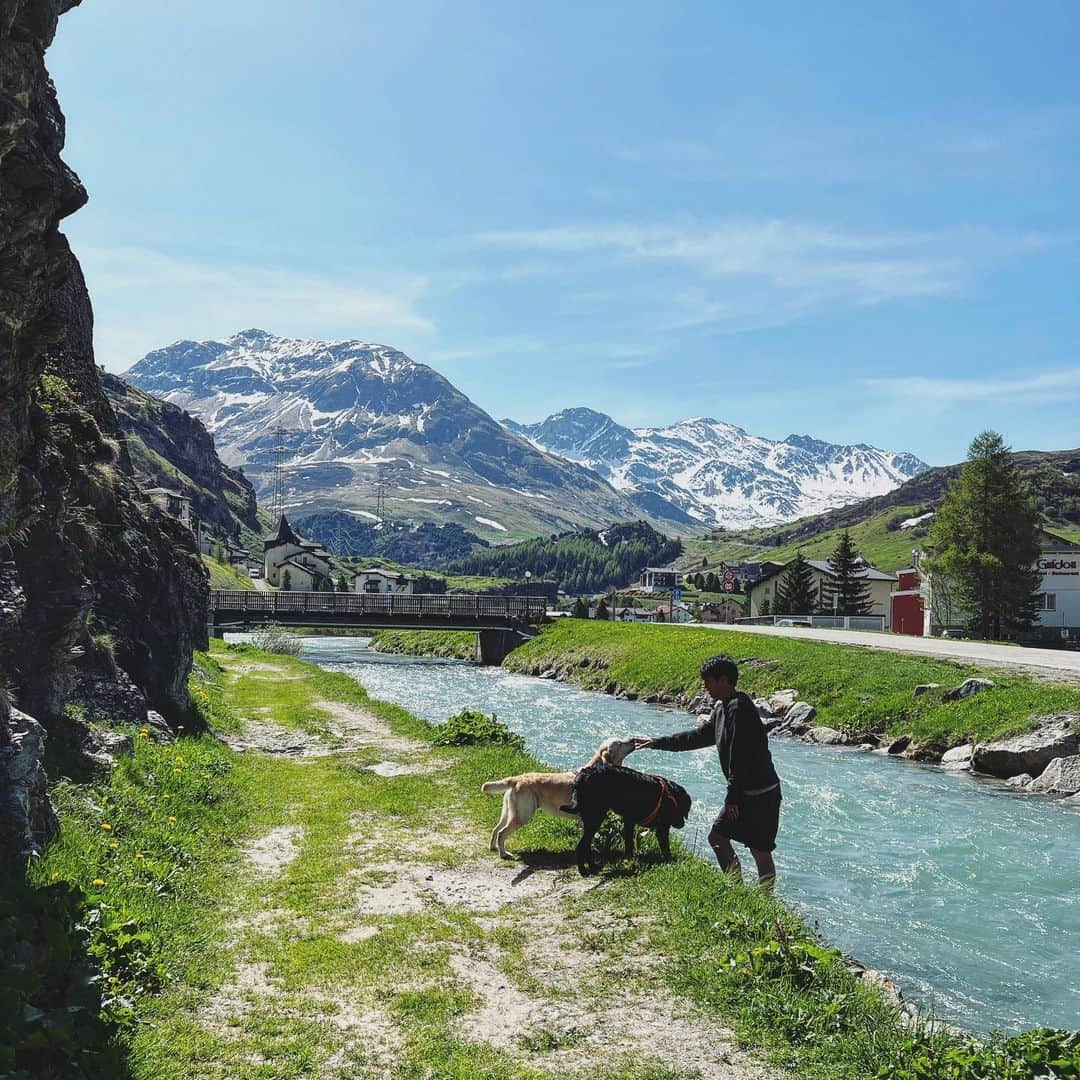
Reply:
x=475, y=607
x=823, y=622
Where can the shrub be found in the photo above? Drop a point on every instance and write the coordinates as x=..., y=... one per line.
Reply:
x=1040, y=1054
x=470, y=726
x=276, y=639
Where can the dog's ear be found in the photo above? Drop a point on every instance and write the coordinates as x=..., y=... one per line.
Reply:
x=605, y=755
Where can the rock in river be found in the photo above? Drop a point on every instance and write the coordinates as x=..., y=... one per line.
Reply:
x=781, y=701
x=797, y=718
x=959, y=757
x=826, y=736
x=1030, y=752
x=1060, y=777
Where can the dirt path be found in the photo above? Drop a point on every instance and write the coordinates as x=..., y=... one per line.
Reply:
x=426, y=926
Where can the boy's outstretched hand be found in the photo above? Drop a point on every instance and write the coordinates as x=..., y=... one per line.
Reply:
x=641, y=742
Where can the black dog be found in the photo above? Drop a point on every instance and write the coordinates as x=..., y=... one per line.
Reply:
x=638, y=798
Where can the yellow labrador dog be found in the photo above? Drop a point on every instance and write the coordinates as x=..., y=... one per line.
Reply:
x=525, y=794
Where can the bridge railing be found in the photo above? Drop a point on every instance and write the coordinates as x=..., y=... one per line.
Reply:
x=466, y=606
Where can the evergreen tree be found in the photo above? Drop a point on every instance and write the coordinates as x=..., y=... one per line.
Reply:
x=286, y=581
x=580, y=610
x=704, y=563
x=985, y=540
x=712, y=583
x=796, y=593
x=602, y=610
x=766, y=607
x=846, y=581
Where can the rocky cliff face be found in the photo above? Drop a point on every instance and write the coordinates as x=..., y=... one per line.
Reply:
x=94, y=581
x=171, y=448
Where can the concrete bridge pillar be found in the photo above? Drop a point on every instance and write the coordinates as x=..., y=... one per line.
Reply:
x=493, y=646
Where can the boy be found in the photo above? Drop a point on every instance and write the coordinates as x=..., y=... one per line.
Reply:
x=751, y=813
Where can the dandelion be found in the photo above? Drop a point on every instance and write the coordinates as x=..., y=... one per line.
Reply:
x=175, y=770
x=144, y=733
x=106, y=826
x=138, y=856
x=114, y=843
x=98, y=881
x=172, y=819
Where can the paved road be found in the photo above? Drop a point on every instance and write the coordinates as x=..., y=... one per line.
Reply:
x=1049, y=663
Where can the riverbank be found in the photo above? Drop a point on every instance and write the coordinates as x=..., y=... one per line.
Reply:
x=855, y=691
x=322, y=902
x=437, y=644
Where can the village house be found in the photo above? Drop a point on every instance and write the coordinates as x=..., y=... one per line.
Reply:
x=635, y=614
x=725, y=610
x=377, y=580
x=657, y=579
x=291, y=561
x=675, y=613
x=763, y=591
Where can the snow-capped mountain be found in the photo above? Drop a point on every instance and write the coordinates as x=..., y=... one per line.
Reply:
x=718, y=474
x=348, y=413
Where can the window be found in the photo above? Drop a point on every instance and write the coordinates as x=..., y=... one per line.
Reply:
x=1046, y=601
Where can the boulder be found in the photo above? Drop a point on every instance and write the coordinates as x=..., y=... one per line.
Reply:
x=928, y=753
x=782, y=700
x=826, y=736
x=1073, y=800
x=797, y=719
x=764, y=709
x=925, y=688
x=772, y=725
x=1021, y=780
x=27, y=819
x=1030, y=752
x=1060, y=777
x=959, y=757
x=899, y=745
x=966, y=689
x=158, y=727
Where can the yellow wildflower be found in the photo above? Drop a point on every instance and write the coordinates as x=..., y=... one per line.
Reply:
x=138, y=855
x=172, y=819
x=98, y=881
x=106, y=826
x=114, y=843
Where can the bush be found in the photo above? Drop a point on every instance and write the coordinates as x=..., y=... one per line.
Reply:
x=1040, y=1054
x=276, y=639
x=470, y=726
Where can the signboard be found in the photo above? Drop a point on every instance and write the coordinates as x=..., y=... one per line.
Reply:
x=676, y=595
x=729, y=581
x=1067, y=567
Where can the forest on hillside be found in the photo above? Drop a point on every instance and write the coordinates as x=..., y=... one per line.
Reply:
x=581, y=562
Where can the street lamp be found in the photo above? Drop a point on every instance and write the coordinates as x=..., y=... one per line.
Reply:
x=528, y=583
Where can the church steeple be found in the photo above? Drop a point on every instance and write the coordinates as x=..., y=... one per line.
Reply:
x=282, y=535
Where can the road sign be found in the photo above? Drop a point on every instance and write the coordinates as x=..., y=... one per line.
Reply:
x=676, y=595
x=729, y=581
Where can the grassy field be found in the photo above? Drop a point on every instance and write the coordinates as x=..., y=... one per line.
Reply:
x=444, y=644
x=854, y=690
x=232, y=902
x=225, y=577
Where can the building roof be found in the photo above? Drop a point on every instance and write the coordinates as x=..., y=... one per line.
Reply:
x=870, y=573
x=300, y=566
x=283, y=534
x=167, y=491
x=379, y=571
x=636, y=611
x=659, y=570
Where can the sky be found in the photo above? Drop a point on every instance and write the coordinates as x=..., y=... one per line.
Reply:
x=856, y=221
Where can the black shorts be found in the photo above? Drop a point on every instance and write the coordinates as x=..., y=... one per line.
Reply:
x=757, y=823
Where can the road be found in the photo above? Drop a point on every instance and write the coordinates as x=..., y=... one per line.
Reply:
x=1047, y=663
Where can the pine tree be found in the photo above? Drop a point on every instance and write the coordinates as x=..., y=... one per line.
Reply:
x=985, y=540
x=847, y=590
x=580, y=610
x=796, y=593
x=602, y=610
x=286, y=581
x=766, y=607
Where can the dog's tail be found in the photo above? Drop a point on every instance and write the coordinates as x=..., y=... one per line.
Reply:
x=497, y=787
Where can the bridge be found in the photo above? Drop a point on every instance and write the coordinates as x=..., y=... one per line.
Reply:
x=500, y=622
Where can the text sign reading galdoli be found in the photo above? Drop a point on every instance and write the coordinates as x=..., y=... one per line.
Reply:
x=1059, y=567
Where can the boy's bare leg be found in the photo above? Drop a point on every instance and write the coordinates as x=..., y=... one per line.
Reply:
x=766, y=868
x=725, y=856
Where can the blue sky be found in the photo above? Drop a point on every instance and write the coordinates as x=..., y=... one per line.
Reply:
x=858, y=221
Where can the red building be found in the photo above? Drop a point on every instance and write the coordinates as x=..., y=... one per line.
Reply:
x=908, y=614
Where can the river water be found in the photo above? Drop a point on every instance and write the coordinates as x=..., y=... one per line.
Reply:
x=966, y=892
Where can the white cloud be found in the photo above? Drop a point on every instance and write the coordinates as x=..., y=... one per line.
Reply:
x=144, y=299
x=722, y=271
x=500, y=348
x=1050, y=387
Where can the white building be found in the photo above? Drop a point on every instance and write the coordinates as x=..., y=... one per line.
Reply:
x=1059, y=593
x=305, y=562
x=657, y=579
x=764, y=590
x=376, y=580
